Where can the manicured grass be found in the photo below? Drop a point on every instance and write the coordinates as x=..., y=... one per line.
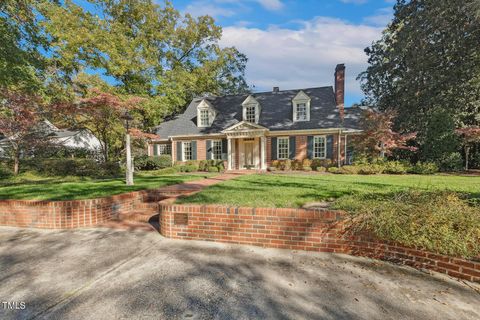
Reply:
x=35, y=187
x=279, y=190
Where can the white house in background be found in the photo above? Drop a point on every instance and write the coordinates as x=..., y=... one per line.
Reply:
x=71, y=139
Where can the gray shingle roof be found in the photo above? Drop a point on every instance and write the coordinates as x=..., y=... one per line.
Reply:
x=276, y=113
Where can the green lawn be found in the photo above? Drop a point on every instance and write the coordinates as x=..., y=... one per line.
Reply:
x=34, y=187
x=278, y=190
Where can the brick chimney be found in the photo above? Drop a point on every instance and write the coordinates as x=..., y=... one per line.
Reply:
x=340, y=88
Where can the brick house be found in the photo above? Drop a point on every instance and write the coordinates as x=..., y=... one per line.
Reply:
x=252, y=130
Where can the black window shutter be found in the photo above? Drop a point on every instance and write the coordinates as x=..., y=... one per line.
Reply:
x=209, y=149
x=330, y=147
x=291, y=148
x=274, y=148
x=224, y=149
x=194, y=150
x=310, y=147
x=155, y=149
x=179, y=151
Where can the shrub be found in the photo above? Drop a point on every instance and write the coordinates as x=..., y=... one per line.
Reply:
x=145, y=163
x=203, y=165
x=349, y=169
x=212, y=169
x=306, y=163
x=321, y=163
x=395, y=167
x=276, y=164
x=451, y=162
x=307, y=168
x=297, y=165
x=77, y=167
x=333, y=170
x=441, y=222
x=191, y=168
x=424, y=168
x=321, y=169
x=287, y=165
x=370, y=169
x=5, y=172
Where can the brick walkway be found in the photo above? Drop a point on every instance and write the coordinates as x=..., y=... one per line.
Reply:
x=145, y=216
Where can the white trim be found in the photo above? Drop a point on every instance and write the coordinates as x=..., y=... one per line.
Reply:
x=324, y=147
x=183, y=150
x=205, y=105
x=251, y=101
x=230, y=153
x=288, y=148
x=301, y=98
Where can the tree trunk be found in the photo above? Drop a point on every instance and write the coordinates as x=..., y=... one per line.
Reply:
x=16, y=163
x=467, y=151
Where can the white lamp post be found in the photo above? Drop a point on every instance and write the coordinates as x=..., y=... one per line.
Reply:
x=129, y=172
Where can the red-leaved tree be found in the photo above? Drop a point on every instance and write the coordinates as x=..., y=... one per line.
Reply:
x=378, y=138
x=470, y=136
x=19, y=114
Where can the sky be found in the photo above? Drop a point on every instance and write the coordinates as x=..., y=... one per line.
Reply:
x=297, y=44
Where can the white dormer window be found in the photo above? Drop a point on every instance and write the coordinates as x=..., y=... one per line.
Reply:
x=251, y=110
x=301, y=107
x=205, y=114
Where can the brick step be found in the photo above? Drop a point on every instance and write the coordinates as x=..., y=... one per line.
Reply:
x=132, y=225
x=137, y=216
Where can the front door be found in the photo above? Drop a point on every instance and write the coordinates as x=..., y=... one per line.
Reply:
x=248, y=152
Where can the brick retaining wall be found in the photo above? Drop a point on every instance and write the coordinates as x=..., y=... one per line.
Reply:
x=74, y=213
x=313, y=230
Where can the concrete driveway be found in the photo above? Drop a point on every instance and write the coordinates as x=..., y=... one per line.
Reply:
x=116, y=274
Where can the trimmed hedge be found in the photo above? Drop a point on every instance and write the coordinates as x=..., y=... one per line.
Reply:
x=145, y=163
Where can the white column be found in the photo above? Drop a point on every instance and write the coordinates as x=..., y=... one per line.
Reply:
x=263, y=143
x=129, y=171
x=229, y=161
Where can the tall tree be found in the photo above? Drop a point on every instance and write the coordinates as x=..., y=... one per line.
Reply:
x=147, y=49
x=426, y=62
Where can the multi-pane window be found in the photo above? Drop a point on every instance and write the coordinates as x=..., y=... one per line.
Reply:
x=301, y=112
x=282, y=148
x=319, y=147
x=217, y=149
x=250, y=113
x=204, y=118
x=164, y=149
x=187, y=151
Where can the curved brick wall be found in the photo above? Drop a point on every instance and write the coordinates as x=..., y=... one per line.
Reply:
x=71, y=214
x=313, y=230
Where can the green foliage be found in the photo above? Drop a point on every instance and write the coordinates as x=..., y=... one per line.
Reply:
x=451, y=162
x=5, y=172
x=352, y=169
x=441, y=222
x=439, y=138
x=152, y=163
x=73, y=167
x=212, y=169
x=396, y=167
x=426, y=60
x=320, y=169
x=424, y=168
x=334, y=170
x=296, y=165
x=321, y=163
x=307, y=169
x=203, y=165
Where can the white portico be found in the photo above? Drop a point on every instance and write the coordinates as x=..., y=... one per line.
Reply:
x=247, y=146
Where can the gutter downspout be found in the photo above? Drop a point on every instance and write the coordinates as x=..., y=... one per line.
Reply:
x=345, y=159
